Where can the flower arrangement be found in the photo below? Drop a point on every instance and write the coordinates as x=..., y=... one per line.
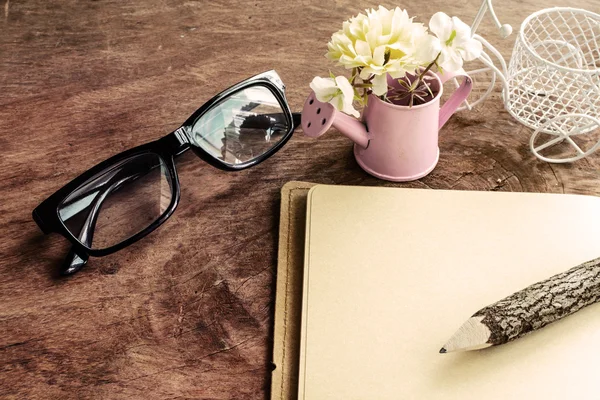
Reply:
x=383, y=42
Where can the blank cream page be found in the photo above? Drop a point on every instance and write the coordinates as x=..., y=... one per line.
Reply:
x=391, y=274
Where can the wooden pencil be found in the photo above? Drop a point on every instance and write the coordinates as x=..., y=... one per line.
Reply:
x=529, y=309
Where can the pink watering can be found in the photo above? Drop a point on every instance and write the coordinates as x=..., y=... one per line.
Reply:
x=393, y=142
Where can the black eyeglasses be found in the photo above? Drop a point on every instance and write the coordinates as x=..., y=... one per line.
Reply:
x=124, y=198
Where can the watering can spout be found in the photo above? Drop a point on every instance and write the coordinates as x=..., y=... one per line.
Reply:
x=318, y=117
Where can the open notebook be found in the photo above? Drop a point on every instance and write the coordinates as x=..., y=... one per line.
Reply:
x=390, y=274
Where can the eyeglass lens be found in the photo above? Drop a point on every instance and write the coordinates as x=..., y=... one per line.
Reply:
x=242, y=127
x=119, y=202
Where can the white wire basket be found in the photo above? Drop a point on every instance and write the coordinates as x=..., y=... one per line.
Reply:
x=553, y=82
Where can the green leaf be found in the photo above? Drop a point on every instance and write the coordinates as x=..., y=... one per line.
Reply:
x=414, y=84
x=429, y=90
x=402, y=82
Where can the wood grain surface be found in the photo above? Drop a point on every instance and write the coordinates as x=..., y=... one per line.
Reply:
x=187, y=312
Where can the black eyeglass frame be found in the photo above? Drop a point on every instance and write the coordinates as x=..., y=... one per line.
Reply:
x=46, y=215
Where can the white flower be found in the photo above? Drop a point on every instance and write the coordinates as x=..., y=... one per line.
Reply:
x=382, y=41
x=338, y=92
x=455, y=40
x=427, y=49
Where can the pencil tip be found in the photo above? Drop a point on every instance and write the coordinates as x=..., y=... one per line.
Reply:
x=443, y=350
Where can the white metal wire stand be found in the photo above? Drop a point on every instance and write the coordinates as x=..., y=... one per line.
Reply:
x=552, y=83
x=484, y=77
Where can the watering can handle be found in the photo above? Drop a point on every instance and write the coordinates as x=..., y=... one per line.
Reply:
x=457, y=98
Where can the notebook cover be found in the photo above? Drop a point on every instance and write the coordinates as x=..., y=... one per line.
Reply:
x=288, y=294
x=390, y=274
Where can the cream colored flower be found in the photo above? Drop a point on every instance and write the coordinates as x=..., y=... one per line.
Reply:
x=380, y=42
x=427, y=48
x=338, y=92
x=455, y=40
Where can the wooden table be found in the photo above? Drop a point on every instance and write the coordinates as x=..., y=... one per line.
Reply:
x=187, y=312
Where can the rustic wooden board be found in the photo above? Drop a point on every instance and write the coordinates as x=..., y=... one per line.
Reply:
x=188, y=311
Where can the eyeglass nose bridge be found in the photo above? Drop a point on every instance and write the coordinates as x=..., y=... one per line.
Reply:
x=177, y=142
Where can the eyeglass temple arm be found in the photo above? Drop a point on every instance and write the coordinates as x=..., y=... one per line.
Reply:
x=73, y=261
x=296, y=118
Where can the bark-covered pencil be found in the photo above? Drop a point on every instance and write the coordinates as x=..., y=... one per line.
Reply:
x=529, y=309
